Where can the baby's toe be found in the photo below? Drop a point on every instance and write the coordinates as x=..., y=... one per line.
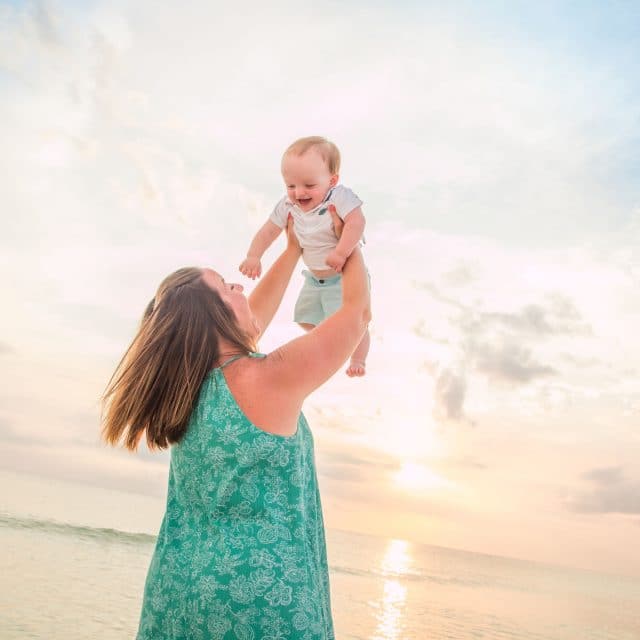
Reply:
x=356, y=370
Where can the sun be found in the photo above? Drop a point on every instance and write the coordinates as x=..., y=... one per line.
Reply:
x=417, y=477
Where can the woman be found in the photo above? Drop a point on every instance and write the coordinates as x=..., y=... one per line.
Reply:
x=241, y=549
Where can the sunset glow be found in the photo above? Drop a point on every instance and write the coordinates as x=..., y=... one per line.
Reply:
x=499, y=412
x=417, y=477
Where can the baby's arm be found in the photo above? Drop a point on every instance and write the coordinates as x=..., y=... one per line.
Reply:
x=251, y=266
x=351, y=234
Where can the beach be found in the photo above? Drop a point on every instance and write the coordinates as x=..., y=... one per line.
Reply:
x=65, y=578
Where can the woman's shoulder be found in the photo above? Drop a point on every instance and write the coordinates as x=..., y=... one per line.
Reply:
x=253, y=386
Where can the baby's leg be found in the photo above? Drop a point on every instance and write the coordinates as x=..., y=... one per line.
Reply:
x=308, y=310
x=359, y=357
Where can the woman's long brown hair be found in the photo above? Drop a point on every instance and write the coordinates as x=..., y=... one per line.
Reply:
x=156, y=384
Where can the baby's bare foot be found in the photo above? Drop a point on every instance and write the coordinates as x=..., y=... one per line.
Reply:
x=356, y=368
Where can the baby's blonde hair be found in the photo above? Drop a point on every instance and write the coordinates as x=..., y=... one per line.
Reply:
x=329, y=152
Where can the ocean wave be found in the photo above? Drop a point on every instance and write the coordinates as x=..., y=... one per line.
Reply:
x=98, y=534
x=77, y=531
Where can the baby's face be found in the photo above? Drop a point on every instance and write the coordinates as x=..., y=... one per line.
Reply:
x=307, y=179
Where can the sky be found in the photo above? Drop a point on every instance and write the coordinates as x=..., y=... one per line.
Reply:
x=495, y=147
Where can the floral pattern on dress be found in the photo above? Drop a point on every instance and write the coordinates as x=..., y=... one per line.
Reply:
x=241, y=550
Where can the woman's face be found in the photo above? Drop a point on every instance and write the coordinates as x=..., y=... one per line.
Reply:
x=233, y=295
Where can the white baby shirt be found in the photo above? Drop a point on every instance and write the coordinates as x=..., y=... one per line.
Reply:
x=314, y=228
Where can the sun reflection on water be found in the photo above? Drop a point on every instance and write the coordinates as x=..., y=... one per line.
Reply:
x=391, y=606
x=396, y=559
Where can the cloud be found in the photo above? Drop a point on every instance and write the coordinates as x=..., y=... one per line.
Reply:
x=9, y=434
x=508, y=362
x=555, y=315
x=612, y=493
x=558, y=316
x=498, y=345
x=353, y=467
x=460, y=275
x=604, y=476
x=449, y=395
x=465, y=462
x=45, y=24
x=475, y=140
x=84, y=465
x=582, y=362
x=437, y=294
x=514, y=340
x=6, y=349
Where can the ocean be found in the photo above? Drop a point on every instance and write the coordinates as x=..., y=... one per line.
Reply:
x=74, y=561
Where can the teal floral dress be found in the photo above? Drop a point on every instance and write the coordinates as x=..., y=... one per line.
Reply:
x=241, y=550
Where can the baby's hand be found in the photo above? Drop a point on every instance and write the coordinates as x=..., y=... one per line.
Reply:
x=251, y=267
x=336, y=260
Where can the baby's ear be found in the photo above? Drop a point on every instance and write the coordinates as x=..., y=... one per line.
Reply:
x=334, y=180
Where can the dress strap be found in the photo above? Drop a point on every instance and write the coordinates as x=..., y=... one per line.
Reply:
x=250, y=354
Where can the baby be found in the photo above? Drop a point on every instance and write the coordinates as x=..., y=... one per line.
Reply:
x=310, y=168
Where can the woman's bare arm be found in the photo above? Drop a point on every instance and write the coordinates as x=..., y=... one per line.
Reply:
x=302, y=365
x=265, y=299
